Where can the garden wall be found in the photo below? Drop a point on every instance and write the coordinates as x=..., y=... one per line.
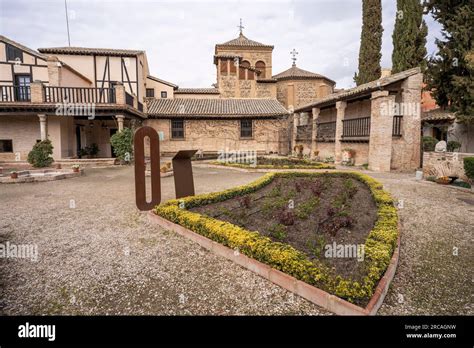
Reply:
x=445, y=164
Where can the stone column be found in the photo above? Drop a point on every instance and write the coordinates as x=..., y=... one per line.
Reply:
x=43, y=126
x=340, y=112
x=296, y=123
x=120, y=119
x=314, y=132
x=381, y=126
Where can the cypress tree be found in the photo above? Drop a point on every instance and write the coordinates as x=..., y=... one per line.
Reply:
x=450, y=71
x=370, y=42
x=409, y=36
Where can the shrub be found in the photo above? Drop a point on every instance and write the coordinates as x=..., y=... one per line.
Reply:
x=429, y=143
x=453, y=146
x=278, y=231
x=286, y=217
x=469, y=167
x=122, y=142
x=461, y=183
x=40, y=155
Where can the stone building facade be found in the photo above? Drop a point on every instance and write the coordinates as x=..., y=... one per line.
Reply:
x=379, y=120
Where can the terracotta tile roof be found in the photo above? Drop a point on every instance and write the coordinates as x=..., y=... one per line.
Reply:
x=295, y=73
x=362, y=89
x=197, y=91
x=215, y=108
x=437, y=115
x=243, y=41
x=24, y=48
x=90, y=51
x=162, y=81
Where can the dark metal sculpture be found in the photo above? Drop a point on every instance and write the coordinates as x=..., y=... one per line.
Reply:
x=140, y=186
x=182, y=170
x=183, y=173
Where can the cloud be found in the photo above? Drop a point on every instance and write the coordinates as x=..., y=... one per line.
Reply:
x=179, y=36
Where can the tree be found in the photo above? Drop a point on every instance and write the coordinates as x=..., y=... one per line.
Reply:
x=450, y=71
x=409, y=36
x=370, y=42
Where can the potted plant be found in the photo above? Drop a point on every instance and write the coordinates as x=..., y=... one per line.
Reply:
x=443, y=180
x=75, y=168
x=14, y=174
x=299, y=150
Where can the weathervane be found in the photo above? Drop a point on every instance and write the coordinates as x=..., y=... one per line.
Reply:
x=240, y=26
x=294, y=53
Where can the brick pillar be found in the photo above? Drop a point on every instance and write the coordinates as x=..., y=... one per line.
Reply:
x=341, y=109
x=119, y=93
x=120, y=119
x=296, y=123
x=36, y=89
x=54, y=71
x=411, y=123
x=381, y=126
x=290, y=96
x=43, y=126
x=314, y=132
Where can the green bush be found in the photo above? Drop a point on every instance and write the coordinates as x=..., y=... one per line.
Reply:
x=429, y=143
x=469, y=167
x=453, y=146
x=122, y=142
x=40, y=155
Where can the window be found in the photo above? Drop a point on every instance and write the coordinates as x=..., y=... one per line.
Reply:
x=245, y=128
x=150, y=93
x=6, y=145
x=164, y=94
x=261, y=67
x=177, y=129
x=244, y=64
x=13, y=53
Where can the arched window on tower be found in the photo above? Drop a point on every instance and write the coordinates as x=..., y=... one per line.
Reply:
x=243, y=65
x=261, y=67
x=223, y=63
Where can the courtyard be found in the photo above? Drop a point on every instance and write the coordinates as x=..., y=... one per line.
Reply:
x=99, y=255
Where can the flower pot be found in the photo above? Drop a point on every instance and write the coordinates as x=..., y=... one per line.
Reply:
x=14, y=175
x=57, y=166
x=75, y=170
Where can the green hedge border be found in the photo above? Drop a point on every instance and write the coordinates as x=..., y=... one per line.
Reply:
x=270, y=166
x=379, y=246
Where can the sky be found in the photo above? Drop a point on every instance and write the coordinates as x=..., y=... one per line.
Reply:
x=179, y=36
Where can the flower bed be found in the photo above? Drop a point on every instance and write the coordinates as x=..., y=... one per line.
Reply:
x=379, y=245
x=278, y=163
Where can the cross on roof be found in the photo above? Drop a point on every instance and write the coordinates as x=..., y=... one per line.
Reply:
x=294, y=53
x=240, y=26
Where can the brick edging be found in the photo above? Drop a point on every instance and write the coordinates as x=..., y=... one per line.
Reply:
x=313, y=294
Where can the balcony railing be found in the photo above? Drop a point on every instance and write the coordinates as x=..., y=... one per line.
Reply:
x=326, y=131
x=356, y=127
x=79, y=95
x=15, y=93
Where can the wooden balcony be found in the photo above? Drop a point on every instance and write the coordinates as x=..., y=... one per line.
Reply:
x=15, y=94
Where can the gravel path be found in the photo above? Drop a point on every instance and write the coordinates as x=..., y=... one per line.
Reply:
x=103, y=256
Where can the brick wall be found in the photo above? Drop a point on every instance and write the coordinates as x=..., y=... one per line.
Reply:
x=23, y=130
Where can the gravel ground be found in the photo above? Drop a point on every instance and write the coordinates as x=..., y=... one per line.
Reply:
x=103, y=256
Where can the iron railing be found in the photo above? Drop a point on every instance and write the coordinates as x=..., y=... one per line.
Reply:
x=79, y=95
x=326, y=131
x=397, y=126
x=356, y=127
